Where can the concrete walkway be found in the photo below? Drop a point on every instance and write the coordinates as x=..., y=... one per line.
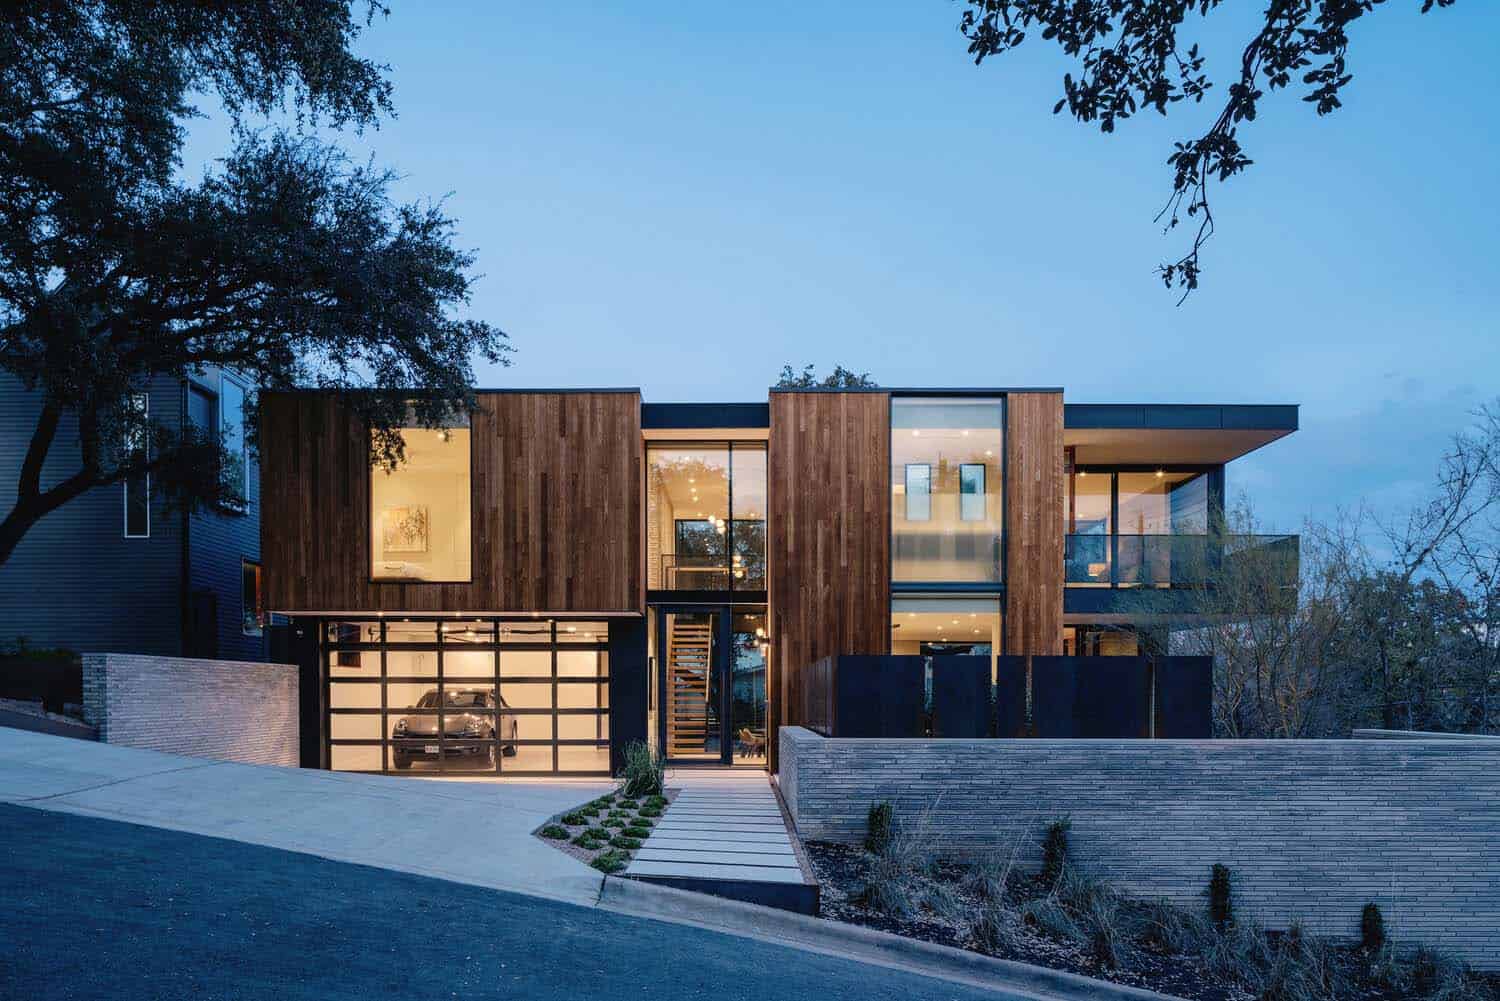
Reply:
x=720, y=826
x=469, y=832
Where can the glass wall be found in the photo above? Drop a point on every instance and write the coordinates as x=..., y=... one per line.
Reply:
x=468, y=696
x=751, y=649
x=945, y=626
x=706, y=517
x=1130, y=527
x=419, y=511
x=947, y=489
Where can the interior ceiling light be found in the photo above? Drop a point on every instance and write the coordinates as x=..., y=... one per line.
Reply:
x=1160, y=474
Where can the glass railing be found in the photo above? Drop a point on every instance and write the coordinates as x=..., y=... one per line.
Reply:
x=1167, y=560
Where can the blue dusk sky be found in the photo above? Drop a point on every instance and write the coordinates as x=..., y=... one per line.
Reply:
x=685, y=198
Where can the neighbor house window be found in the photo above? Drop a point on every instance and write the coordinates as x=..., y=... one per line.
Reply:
x=918, y=492
x=236, y=472
x=252, y=599
x=138, y=487
x=946, y=509
x=420, y=510
x=971, y=506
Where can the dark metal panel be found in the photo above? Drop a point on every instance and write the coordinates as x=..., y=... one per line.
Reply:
x=1010, y=697
x=1185, y=697
x=628, y=682
x=1090, y=696
x=705, y=415
x=296, y=642
x=879, y=696
x=960, y=697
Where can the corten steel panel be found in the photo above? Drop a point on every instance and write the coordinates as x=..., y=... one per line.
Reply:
x=556, y=502
x=1034, y=498
x=828, y=547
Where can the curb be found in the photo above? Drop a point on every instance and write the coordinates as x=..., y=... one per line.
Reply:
x=865, y=945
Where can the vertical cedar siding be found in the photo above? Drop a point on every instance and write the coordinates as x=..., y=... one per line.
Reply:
x=556, y=508
x=828, y=549
x=1034, y=496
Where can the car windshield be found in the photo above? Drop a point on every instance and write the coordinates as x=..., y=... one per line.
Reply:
x=455, y=700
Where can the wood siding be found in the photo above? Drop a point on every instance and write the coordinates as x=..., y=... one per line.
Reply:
x=556, y=502
x=828, y=550
x=1035, y=491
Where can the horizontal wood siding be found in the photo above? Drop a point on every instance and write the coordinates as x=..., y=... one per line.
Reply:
x=829, y=536
x=1034, y=495
x=556, y=508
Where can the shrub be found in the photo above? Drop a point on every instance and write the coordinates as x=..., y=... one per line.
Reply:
x=1240, y=953
x=556, y=832
x=659, y=801
x=988, y=878
x=637, y=830
x=889, y=887
x=1051, y=917
x=1170, y=930
x=650, y=811
x=615, y=822
x=998, y=929
x=627, y=843
x=643, y=772
x=1220, y=897
x=1371, y=927
x=620, y=814
x=626, y=803
x=611, y=861
x=574, y=818
x=878, y=835
x=1054, y=852
x=590, y=837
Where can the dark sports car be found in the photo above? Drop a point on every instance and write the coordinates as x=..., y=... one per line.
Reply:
x=475, y=724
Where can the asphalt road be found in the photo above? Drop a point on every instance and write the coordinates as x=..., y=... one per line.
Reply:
x=94, y=908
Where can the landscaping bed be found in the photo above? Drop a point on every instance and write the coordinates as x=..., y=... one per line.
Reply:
x=1063, y=918
x=607, y=832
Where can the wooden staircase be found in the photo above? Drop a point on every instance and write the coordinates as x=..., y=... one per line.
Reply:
x=689, y=659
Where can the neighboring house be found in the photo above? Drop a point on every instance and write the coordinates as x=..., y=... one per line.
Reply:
x=113, y=570
x=572, y=570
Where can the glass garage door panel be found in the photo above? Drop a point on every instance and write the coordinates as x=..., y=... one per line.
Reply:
x=468, y=696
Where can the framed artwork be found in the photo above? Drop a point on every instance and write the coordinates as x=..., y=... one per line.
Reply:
x=404, y=529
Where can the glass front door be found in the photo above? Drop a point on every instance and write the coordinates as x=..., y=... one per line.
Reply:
x=712, y=675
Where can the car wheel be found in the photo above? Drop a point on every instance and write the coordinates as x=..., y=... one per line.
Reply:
x=401, y=761
x=509, y=750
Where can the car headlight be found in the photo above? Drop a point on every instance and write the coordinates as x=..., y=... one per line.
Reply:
x=400, y=726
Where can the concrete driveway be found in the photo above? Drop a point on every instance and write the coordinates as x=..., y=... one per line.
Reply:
x=468, y=832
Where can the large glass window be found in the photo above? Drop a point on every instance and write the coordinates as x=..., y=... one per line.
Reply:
x=419, y=511
x=472, y=696
x=1132, y=527
x=706, y=517
x=947, y=489
x=947, y=626
x=236, y=470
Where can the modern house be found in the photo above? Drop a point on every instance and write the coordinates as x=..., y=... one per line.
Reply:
x=115, y=570
x=562, y=572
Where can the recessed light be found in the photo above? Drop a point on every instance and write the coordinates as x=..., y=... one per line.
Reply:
x=572, y=629
x=1160, y=474
x=989, y=452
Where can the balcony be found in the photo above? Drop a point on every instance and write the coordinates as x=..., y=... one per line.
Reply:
x=1164, y=561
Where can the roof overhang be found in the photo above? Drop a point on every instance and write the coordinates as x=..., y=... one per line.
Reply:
x=1189, y=434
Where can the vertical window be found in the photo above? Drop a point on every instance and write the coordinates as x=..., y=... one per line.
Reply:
x=918, y=491
x=971, y=506
x=706, y=517
x=252, y=600
x=236, y=472
x=946, y=504
x=420, y=511
x=138, y=487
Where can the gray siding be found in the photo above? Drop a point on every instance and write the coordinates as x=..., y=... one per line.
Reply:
x=75, y=581
x=1312, y=829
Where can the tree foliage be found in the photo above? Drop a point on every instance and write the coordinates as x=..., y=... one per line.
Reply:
x=1391, y=623
x=287, y=262
x=1131, y=55
x=839, y=378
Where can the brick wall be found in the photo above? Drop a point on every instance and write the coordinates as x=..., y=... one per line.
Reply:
x=1313, y=829
x=231, y=710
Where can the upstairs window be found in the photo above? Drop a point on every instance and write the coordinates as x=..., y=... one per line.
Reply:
x=946, y=503
x=420, y=518
x=138, y=487
x=236, y=472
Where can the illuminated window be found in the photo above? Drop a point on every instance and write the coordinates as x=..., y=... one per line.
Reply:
x=420, y=511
